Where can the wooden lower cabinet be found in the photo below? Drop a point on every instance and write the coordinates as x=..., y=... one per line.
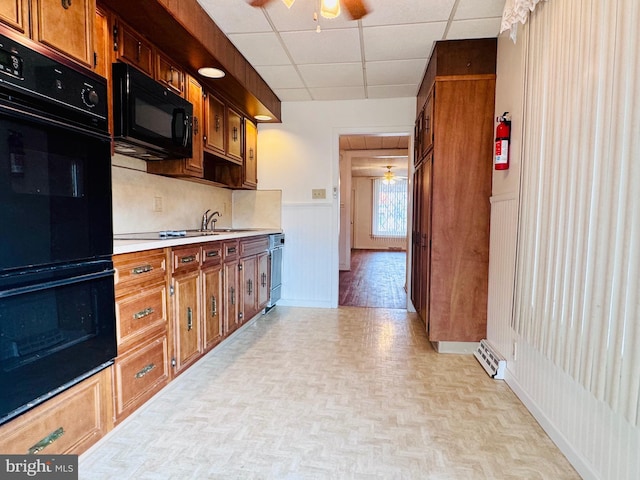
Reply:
x=69, y=423
x=139, y=374
x=142, y=366
x=253, y=283
x=212, y=295
x=230, y=277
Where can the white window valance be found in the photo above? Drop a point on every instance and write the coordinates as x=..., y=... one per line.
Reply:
x=516, y=11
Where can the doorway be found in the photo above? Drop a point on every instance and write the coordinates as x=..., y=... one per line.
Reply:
x=373, y=236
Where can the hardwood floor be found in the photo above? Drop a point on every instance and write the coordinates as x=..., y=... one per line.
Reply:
x=376, y=279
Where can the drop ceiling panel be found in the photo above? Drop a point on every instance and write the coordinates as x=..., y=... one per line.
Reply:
x=330, y=46
x=338, y=93
x=292, y=94
x=280, y=76
x=300, y=17
x=475, y=9
x=395, y=72
x=332, y=75
x=400, y=42
x=483, y=28
x=392, y=91
x=402, y=12
x=236, y=16
x=261, y=48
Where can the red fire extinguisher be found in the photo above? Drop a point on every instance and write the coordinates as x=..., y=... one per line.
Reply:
x=503, y=136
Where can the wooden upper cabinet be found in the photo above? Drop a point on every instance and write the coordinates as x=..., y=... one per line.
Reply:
x=235, y=136
x=15, y=13
x=102, y=44
x=65, y=26
x=250, y=154
x=134, y=49
x=215, y=125
x=194, y=95
x=170, y=74
x=426, y=141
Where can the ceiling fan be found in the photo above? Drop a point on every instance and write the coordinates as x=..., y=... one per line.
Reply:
x=356, y=9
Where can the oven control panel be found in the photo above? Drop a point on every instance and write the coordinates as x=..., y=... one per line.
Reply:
x=38, y=79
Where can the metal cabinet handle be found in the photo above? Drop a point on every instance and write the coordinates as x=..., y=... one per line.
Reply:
x=263, y=279
x=145, y=370
x=188, y=259
x=231, y=250
x=217, y=123
x=196, y=128
x=139, y=51
x=46, y=441
x=249, y=286
x=233, y=295
x=214, y=306
x=189, y=319
x=212, y=253
x=251, y=154
x=235, y=134
x=141, y=269
x=143, y=313
x=170, y=79
x=66, y=4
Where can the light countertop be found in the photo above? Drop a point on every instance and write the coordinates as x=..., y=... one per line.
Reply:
x=129, y=246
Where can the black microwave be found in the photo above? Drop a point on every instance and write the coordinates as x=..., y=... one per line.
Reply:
x=149, y=121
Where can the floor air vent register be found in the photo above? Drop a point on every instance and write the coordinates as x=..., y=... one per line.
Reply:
x=490, y=360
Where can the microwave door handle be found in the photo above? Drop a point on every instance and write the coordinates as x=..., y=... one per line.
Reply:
x=187, y=130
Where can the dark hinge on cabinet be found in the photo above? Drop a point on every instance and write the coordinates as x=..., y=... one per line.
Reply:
x=171, y=289
x=115, y=38
x=95, y=59
x=173, y=362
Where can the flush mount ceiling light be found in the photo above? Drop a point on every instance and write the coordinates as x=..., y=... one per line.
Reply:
x=263, y=118
x=288, y=3
x=389, y=176
x=211, y=72
x=356, y=9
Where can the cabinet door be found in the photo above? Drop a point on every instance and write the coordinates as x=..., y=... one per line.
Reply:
x=170, y=75
x=66, y=26
x=247, y=285
x=134, y=49
x=235, y=136
x=194, y=164
x=15, y=13
x=427, y=124
x=251, y=154
x=263, y=280
x=231, y=298
x=214, y=136
x=186, y=319
x=212, y=306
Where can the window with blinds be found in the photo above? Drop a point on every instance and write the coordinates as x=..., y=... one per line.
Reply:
x=389, y=208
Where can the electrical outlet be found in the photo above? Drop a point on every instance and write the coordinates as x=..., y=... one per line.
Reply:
x=318, y=193
x=157, y=204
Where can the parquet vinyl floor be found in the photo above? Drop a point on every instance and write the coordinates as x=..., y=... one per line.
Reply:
x=346, y=393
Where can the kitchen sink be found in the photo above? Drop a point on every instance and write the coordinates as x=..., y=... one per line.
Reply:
x=173, y=234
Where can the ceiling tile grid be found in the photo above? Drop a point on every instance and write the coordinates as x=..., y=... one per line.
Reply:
x=383, y=55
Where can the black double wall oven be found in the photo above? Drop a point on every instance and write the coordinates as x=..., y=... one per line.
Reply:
x=57, y=318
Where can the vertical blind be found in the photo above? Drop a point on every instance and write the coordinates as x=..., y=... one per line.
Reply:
x=389, y=208
x=578, y=270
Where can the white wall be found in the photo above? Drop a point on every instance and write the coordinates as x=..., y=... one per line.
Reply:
x=588, y=51
x=301, y=154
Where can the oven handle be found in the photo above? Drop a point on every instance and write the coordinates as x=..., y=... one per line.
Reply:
x=56, y=283
x=25, y=113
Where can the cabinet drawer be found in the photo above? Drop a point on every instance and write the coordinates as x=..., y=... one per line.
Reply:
x=185, y=259
x=68, y=423
x=211, y=254
x=254, y=245
x=229, y=250
x=140, y=374
x=138, y=314
x=136, y=269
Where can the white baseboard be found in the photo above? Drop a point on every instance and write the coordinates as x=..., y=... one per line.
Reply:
x=455, y=347
x=578, y=462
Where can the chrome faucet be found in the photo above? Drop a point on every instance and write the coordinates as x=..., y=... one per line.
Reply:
x=209, y=219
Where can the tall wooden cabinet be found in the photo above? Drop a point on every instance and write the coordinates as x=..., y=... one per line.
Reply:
x=452, y=186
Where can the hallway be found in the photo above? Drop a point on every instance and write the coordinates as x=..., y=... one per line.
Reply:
x=347, y=393
x=376, y=279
